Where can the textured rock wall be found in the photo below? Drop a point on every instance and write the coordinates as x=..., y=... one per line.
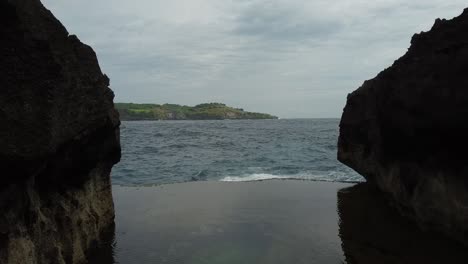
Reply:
x=373, y=232
x=406, y=130
x=59, y=138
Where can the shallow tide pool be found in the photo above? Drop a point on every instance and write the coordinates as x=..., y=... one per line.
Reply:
x=274, y=222
x=215, y=222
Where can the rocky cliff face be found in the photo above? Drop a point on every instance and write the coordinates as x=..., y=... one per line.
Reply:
x=373, y=232
x=406, y=131
x=59, y=138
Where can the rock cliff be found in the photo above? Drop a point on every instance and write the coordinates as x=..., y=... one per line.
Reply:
x=373, y=232
x=59, y=139
x=406, y=131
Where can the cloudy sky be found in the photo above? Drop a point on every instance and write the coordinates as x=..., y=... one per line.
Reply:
x=292, y=58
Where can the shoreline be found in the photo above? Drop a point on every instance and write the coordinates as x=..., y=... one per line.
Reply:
x=159, y=120
x=279, y=118
x=239, y=182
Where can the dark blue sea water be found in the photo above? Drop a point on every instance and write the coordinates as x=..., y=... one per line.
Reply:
x=160, y=152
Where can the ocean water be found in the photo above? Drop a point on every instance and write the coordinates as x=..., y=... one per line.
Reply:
x=162, y=152
x=259, y=222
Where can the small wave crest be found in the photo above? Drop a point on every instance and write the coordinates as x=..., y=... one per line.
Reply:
x=330, y=177
x=257, y=177
x=253, y=177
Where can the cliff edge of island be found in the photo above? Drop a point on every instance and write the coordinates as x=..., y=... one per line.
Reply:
x=207, y=111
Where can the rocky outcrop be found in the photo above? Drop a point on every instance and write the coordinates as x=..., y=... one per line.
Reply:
x=59, y=139
x=406, y=132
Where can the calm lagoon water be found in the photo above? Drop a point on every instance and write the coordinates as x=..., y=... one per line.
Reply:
x=268, y=222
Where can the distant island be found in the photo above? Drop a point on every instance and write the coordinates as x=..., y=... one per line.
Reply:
x=209, y=111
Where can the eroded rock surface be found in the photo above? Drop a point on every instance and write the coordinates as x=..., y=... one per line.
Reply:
x=373, y=232
x=59, y=139
x=406, y=130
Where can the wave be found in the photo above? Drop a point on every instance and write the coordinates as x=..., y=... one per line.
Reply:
x=253, y=177
x=266, y=176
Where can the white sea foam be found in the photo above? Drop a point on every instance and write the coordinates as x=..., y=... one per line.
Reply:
x=303, y=176
x=253, y=177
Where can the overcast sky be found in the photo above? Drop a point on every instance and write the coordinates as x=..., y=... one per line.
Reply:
x=291, y=58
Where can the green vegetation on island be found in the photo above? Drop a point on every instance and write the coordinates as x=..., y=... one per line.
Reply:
x=210, y=111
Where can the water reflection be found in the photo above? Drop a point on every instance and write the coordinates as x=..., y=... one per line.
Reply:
x=271, y=222
x=266, y=223
x=372, y=232
x=104, y=253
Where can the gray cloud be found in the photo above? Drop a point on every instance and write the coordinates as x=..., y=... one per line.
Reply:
x=282, y=22
x=292, y=58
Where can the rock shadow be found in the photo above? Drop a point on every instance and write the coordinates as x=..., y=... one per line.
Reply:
x=374, y=232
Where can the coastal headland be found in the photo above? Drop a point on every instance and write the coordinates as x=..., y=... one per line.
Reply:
x=208, y=111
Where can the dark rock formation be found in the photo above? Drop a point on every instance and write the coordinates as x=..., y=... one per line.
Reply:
x=59, y=138
x=373, y=232
x=406, y=132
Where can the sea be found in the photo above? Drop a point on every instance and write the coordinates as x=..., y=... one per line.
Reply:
x=165, y=152
x=212, y=192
